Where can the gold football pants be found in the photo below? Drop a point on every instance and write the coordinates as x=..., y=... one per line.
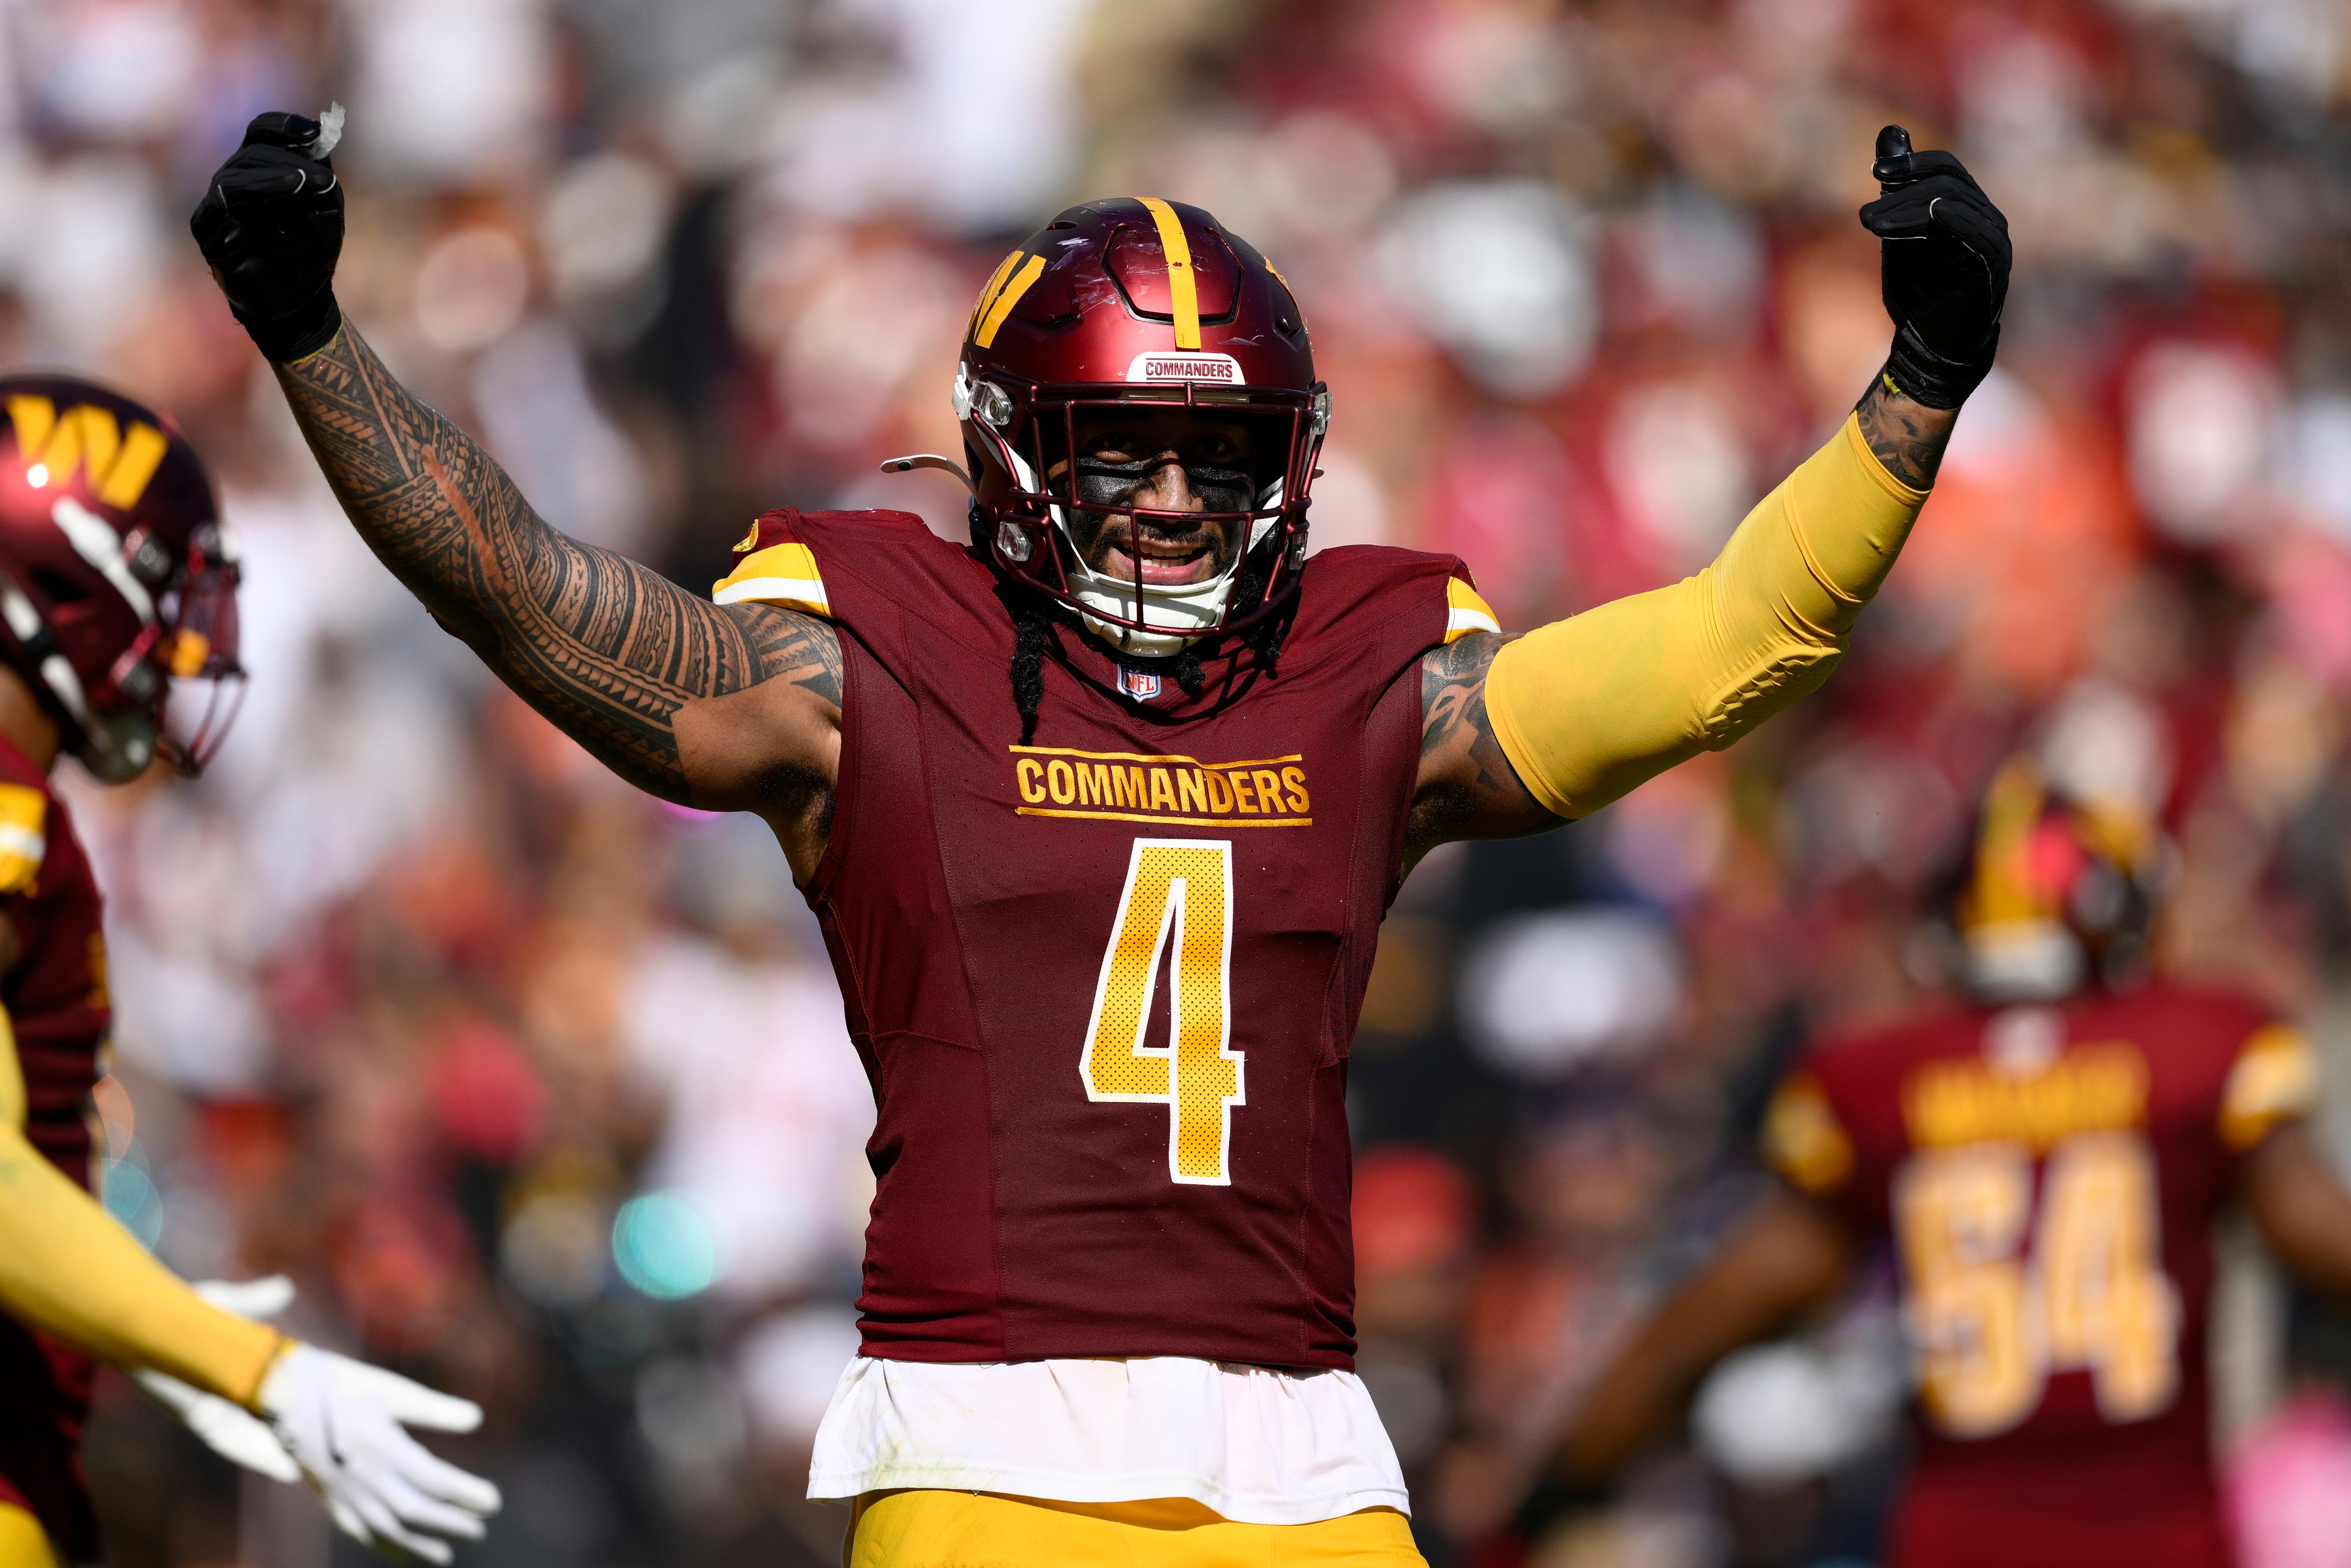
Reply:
x=981, y=1530
x=22, y=1543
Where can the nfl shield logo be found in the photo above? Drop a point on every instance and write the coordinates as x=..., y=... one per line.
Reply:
x=1140, y=684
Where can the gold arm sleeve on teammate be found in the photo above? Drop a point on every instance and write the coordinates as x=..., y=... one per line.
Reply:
x=68, y=1269
x=1588, y=707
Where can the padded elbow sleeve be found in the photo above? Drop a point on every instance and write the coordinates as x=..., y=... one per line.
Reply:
x=1589, y=707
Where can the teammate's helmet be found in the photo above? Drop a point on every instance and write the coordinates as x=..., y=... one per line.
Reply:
x=1125, y=301
x=2062, y=889
x=116, y=574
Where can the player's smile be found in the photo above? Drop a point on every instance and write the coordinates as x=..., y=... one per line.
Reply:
x=1164, y=460
x=1172, y=555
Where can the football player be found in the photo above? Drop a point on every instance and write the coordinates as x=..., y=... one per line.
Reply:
x=116, y=580
x=2046, y=1162
x=1130, y=728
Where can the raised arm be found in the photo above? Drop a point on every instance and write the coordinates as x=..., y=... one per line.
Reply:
x=1521, y=734
x=612, y=652
x=729, y=708
x=1597, y=704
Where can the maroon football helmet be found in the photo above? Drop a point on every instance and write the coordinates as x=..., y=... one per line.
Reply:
x=116, y=575
x=1116, y=303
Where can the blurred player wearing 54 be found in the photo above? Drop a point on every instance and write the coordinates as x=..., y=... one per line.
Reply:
x=2047, y=1159
x=117, y=582
x=1129, y=722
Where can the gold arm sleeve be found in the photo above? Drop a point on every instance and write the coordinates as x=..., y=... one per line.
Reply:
x=1588, y=707
x=68, y=1269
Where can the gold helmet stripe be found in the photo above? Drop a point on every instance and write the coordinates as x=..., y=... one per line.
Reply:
x=988, y=294
x=143, y=447
x=1294, y=305
x=1034, y=269
x=1181, y=282
x=120, y=462
x=33, y=418
x=2002, y=889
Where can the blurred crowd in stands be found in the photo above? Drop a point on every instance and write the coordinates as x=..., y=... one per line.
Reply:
x=541, y=1088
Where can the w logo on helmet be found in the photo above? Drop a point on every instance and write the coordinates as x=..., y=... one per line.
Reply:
x=53, y=445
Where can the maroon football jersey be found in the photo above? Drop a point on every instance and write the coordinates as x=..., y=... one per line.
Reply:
x=57, y=1002
x=1103, y=981
x=2048, y=1178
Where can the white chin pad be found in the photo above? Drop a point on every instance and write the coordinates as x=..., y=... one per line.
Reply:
x=1171, y=616
x=2025, y=960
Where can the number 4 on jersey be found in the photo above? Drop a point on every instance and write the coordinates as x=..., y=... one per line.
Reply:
x=1181, y=888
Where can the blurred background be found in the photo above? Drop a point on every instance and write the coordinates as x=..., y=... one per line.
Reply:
x=540, y=1089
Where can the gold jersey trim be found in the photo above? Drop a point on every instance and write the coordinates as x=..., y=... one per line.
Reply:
x=2274, y=1078
x=1465, y=612
x=784, y=575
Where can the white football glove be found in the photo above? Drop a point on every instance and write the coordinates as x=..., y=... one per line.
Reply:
x=229, y=1429
x=342, y=1421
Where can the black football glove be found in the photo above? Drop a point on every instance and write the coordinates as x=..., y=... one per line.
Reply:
x=1945, y=270
x=271, y=227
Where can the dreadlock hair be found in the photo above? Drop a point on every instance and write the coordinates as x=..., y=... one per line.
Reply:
x=1257, y=570
x=1032, y=639
x=1032, y=635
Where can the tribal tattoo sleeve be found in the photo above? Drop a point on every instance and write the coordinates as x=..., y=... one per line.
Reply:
x=1468, y=788
x=606, y=648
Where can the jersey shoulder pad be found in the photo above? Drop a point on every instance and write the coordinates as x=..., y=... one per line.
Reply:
x=1355, y=586
x=24, y=836
x=1803, y=1139
x=1465, y=610
x=2274, y=1079
x=774, y=566
x=782, y=560
x=1862, y=1071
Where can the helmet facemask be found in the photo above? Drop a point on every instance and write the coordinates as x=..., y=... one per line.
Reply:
x=172, y=690
x=1043, y=514
x=199, y=648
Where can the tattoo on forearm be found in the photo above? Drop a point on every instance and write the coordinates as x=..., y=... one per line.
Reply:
x=1907, y=436
x=607, y=648
x=1469, y=787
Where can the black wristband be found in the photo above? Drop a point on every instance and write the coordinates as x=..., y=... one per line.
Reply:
x=298, y=334
x=1923, y=376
